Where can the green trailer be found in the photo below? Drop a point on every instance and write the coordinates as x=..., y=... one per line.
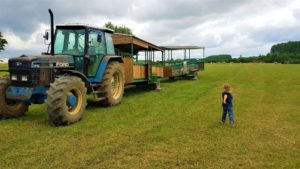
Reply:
x=186, y=66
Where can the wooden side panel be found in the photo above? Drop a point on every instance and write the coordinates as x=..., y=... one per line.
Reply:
x=177, y=69
x=158, y=71
x=139, y=71
x=185, y=67
x=119, y=39
x=177, y=72
x=143, y=71
x=128, y=68
x=167, y=71
x=136, y=71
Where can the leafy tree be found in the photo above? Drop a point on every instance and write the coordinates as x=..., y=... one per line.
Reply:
x=3, y=42
x=280, y=53
x=284, y=48
x=218, y=58
x=118, y=29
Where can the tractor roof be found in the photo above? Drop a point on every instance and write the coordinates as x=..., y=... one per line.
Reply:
x=85, y=26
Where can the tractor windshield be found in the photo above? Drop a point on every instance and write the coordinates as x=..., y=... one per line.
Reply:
x=69, y=42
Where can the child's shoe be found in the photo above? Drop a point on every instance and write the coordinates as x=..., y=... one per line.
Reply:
x=232, y=124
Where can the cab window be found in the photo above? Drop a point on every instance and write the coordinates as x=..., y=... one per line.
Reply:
x=109, y=44
x=96, y=51
x=69, y=41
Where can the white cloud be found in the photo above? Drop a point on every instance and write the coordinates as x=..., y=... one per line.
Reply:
x=35, y=40
x=247, y=27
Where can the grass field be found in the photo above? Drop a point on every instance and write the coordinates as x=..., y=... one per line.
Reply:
x=177, y=127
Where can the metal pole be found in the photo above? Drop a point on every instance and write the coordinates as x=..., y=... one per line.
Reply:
x=168, y=56
x=131, y=50
x=163, y=57
x=146, y=58
x=153, y=55
x=189, y=53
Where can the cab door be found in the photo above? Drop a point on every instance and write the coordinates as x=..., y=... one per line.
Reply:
x=96, y=51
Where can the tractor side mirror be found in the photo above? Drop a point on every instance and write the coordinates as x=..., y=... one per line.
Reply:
x=99, y=38
x=46, y=37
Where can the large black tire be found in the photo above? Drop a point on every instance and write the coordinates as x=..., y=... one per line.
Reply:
x=58, y=108
x=112, y=84
x=11, y=109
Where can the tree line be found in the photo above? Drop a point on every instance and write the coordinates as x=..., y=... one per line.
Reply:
x=3, y=42
x=118, y=29
x=280, y=53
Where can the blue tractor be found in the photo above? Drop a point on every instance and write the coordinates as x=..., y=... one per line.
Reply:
x=81, y=61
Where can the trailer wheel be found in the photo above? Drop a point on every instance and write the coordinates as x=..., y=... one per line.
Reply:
x=9, y=109
x=113, y=84
x=66, y=100
x=193, y=76
x=171, y=78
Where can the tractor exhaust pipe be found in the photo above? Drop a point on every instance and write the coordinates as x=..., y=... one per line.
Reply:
x=52, y=32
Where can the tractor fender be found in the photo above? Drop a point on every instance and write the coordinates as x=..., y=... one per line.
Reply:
x=116, y=58
x=76, y=73
x=100, y=73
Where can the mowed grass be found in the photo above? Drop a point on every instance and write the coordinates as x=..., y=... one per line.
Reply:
x=177, y=127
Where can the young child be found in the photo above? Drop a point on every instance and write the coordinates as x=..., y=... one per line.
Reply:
x=227, y=104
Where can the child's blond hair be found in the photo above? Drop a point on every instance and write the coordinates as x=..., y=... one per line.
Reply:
x=227, y=87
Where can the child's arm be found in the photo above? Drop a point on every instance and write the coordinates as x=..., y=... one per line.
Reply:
x=225, y=98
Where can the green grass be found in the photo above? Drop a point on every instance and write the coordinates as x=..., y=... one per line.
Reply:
x=177, y=127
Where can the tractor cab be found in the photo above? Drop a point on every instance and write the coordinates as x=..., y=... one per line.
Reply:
x=87, y=44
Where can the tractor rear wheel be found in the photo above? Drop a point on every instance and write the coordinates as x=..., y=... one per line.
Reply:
x=113, y=84
x=9, y=109
x=66, y=100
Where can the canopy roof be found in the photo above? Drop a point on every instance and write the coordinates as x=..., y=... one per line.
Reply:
x=180, y=47
x=125, y=42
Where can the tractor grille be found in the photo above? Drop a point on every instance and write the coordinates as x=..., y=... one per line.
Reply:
x=35, y=77
x=32, y=78
x=19, y=64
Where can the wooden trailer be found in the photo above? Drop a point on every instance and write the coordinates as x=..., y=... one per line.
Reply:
x=138, y=71
x=149, y=69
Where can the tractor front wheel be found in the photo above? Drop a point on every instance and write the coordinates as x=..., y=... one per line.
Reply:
x=9, y=109
x=66, y=100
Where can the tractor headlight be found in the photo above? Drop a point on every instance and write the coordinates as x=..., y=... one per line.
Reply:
x=35, y=65
x=24, y=78
x=14, y=77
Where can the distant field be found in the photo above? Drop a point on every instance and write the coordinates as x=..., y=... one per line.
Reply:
x=3, y=67
x=177, y=127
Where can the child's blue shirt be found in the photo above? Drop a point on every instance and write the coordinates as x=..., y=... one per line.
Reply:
x=228, y=100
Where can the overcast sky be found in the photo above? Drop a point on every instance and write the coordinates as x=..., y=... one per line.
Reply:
x=236, y=27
